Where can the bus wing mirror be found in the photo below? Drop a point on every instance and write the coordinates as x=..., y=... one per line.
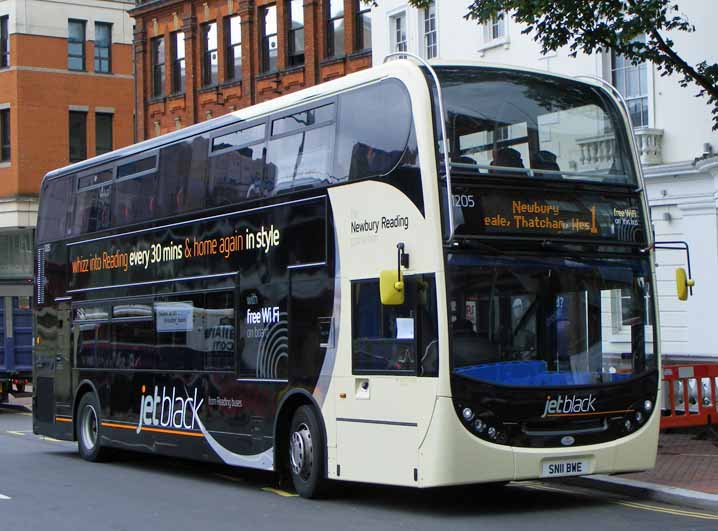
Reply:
x=391, y=288
x=683, y=283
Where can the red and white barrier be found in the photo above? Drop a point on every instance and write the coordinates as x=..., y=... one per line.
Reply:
x=689, y=396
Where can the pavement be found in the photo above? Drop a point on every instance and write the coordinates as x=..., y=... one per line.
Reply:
x=686, y=472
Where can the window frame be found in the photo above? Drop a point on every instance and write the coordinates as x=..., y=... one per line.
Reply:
x=179, y=64
x=208, y=77
x=292, y=55
x=330, y=49
x=157, y=45
x=231, y=49
x=265, y=39
x=70, y=135
x=361, y=9
x=111, y=117
x=643, y=82
x=430, y=15
x=107, y=25
x=396, y=45
x=5, y=41
x=70, y=41
x=5, y=136
x=495, y=32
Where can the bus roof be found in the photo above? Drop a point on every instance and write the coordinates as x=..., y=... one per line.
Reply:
x=323, y=89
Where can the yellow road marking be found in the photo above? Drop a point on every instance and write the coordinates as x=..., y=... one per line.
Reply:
x=280, y=492
x=26, y=414
x=667, y=510
x=632, y=504
x=44, y=438
x=230, y=478
x=20, y=433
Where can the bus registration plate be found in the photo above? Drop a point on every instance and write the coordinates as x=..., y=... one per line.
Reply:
x=566, y=467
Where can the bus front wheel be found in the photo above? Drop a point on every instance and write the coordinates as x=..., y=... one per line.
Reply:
x=88, y=429
x=306, y=453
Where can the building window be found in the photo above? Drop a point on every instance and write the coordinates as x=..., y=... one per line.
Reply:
x=335, y=27
x=4, y=42
x=268, y=20
x=495, y=31
x=363, y=25
x=295, y=16
x=158, y=67
x=178, y=62
x=233, y=55
x=632, y=82
x=397, y=27
x=210, y=59
x=76, y=45
x=103, y=133
x=78, y=136
x=5, y=135
x=431, y=44
x=103, y=47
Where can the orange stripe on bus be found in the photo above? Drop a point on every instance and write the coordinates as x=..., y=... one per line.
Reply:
x=590, y=414
x=157, y=430
x=63, y=419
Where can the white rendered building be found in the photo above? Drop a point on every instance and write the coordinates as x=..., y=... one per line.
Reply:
x=673, y=131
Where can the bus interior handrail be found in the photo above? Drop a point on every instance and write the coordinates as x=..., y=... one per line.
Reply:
x=444, y=135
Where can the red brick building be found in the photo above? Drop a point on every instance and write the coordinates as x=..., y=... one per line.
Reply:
x=199, y=59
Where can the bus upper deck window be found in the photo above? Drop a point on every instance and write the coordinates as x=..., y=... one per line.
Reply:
x=374, y=127
x=53, y=222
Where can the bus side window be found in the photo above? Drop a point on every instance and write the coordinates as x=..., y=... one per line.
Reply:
x=182, y=184
x=389, y=339
x=300, y=149
x=133, y=337
x=135, y=199
x=92, y=210
x=54, y=219
x=237, y=175
x=374, y=126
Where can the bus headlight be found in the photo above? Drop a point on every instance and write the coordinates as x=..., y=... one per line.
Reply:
x=628, y=425
x=468, y=414
x=648, y=406
x=479, y=425
x=492, y=432
x=639, y=417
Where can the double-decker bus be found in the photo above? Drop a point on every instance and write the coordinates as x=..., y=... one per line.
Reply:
x=413, y=275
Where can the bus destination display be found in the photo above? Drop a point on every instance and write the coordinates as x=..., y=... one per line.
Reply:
x=480, y=212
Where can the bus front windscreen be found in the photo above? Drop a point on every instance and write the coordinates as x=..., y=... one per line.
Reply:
x=550, y=322
x=522, y=124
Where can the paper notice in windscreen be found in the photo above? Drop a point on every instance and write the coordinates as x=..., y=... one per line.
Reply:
x=404, y=328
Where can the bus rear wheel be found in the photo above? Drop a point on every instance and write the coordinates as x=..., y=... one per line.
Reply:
x=306, y=453
x=88, y=429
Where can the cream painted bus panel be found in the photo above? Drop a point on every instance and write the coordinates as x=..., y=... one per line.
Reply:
x=377, y=453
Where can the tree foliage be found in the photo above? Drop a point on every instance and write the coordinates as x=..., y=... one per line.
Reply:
x=591, y=25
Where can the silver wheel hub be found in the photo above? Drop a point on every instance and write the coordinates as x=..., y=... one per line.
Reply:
x=88, y=428
x=301, y=451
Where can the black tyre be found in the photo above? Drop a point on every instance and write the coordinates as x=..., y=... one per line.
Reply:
x=306, y=453
x=88, y=429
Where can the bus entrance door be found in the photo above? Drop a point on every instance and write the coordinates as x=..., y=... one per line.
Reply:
x=382, y=404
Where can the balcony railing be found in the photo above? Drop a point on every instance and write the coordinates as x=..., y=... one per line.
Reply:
x=598, y=152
